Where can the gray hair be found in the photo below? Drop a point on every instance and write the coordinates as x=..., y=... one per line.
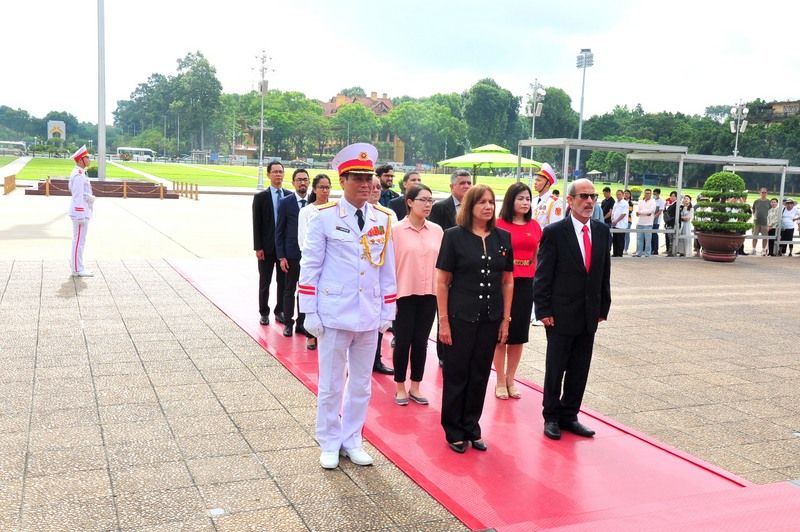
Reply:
x=571, y=187
x=459, y=173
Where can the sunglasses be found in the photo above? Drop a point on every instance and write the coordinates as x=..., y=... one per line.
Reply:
x=585, y=196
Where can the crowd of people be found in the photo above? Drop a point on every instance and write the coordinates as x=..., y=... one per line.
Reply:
x=375, y=259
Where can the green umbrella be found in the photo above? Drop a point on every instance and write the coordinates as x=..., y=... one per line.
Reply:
x=489, y=156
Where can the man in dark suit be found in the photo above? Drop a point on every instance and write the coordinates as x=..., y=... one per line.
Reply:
x=288, y=249
x=265, y=214
x=398, y=204
x=444, y=211
x=571, y=293
x=444, y=214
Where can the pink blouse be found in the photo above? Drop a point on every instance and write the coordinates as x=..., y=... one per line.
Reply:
x=415, y=254
x=525, y=244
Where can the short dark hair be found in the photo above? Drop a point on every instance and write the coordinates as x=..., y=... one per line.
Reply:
x=471, y=198
x=648, y=190
x=674, y=192
x=413, y=192
x=299, y=171
x=656, y=191
x=507, y=210
x=606, y=189
x=408, y=175
x=271, y=164
x=382, y=169
x=317, y=178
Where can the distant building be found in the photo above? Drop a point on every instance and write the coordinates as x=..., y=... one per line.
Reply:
x=56, y=129
x=379, y=106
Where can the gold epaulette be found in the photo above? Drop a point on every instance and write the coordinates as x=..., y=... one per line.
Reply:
x=326, y=205
x=384, y=210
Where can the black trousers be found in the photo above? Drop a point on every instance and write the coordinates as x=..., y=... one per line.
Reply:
x=567, y=362
x=415, y=315
x=265, y=269
x=787, y=234
x=289, y=293
x=618, y=241
x=465, y=375
x=771, y=243
x=669, y=237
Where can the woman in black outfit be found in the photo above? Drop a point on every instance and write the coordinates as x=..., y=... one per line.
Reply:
x=474, y=287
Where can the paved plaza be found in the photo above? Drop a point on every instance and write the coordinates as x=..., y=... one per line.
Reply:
x=128, y=401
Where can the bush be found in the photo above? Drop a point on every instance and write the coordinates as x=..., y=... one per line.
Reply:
x=723, y=208
x=91, y=171
x=636, y=191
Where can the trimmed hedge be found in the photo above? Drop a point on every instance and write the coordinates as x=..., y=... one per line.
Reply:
x=718, y=214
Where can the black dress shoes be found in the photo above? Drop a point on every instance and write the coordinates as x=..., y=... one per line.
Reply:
x=380, y=367
x=459, y=447
x=287, y=330
x=577, y=428
x=479, y=445
x=300, y=330
x=552, y=431
x=279, y=317
x=264, y=320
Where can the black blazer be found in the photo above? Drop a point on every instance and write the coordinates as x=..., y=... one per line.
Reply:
x=562, y=288
x=286, y=246
x=398, y=205
x=477, y=283
x=264, y=221
x=443, y=213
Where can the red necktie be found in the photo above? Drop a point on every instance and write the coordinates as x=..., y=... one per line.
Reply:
x=587, y=248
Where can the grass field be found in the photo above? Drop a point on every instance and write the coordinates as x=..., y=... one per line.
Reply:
x=42, y=168
x=5, y=159
x=247, y=177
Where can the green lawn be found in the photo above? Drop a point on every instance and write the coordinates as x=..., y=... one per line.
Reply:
x=42, y=168
x=5, y=159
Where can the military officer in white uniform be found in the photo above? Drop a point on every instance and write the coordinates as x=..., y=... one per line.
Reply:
x=347, y=290
x=80, y=210
x=546, y=207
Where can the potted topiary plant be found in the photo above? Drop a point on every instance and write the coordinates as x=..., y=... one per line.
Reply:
x=636, y=191
x=720, y=219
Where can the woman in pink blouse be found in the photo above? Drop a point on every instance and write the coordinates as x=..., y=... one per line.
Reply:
x=515, y=217
x=416, y=247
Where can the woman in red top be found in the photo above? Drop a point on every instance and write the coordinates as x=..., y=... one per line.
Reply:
x=515, y=217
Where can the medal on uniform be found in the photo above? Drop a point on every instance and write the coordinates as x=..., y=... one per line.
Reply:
x=374, y=231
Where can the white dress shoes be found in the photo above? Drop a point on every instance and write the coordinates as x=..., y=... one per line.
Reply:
x=83, y=274
x=329, y=459
x=357, y=455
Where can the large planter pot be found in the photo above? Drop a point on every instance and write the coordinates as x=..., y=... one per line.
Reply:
x=719, y=247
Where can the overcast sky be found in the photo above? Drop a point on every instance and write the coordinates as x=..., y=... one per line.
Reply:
x=667, y=56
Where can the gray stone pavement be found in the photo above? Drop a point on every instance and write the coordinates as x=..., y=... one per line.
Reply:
x=129, y=402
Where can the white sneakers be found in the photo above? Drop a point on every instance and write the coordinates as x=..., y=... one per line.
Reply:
x=82, y=274
x=329, y=459
x=357, y=455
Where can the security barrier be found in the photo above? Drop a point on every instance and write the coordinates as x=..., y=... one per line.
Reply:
x=187, y=190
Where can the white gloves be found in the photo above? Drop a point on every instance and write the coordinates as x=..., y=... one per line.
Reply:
x=90, y=200
x=313, y=324
x=385, y=326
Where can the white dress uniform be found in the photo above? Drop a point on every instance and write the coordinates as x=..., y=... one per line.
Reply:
x=347, y=277
x=548, y=209
x=80, y=210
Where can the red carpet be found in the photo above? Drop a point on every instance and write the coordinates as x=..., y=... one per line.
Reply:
x=618, y=480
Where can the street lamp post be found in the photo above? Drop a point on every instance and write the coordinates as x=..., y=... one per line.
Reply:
x=738, y=123
x=263, y=87
x=585, y=60
x=535, y=107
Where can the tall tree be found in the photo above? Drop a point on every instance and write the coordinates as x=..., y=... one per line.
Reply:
x=353, y=91
x=490, y=113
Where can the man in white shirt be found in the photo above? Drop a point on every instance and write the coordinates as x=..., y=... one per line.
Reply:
x=657, y=217
x=619, y=220
x=645, y=213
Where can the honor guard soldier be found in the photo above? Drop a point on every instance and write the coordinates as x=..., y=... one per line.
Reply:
x=80, y=210
x=547, y=208
x=347, y=290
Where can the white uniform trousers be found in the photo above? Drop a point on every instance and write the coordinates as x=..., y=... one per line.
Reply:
x=345, y=369
x=79, y=230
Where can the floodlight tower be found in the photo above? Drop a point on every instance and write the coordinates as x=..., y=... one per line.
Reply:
x=585, y=60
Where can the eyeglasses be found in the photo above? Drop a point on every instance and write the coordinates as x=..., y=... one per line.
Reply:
x=424, y=200
x=323, y=187
x=585, y=196
x=301, y=179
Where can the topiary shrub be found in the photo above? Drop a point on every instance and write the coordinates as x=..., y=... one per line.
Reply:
x=723, y=208
x=635, y=191
x=91, y=171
